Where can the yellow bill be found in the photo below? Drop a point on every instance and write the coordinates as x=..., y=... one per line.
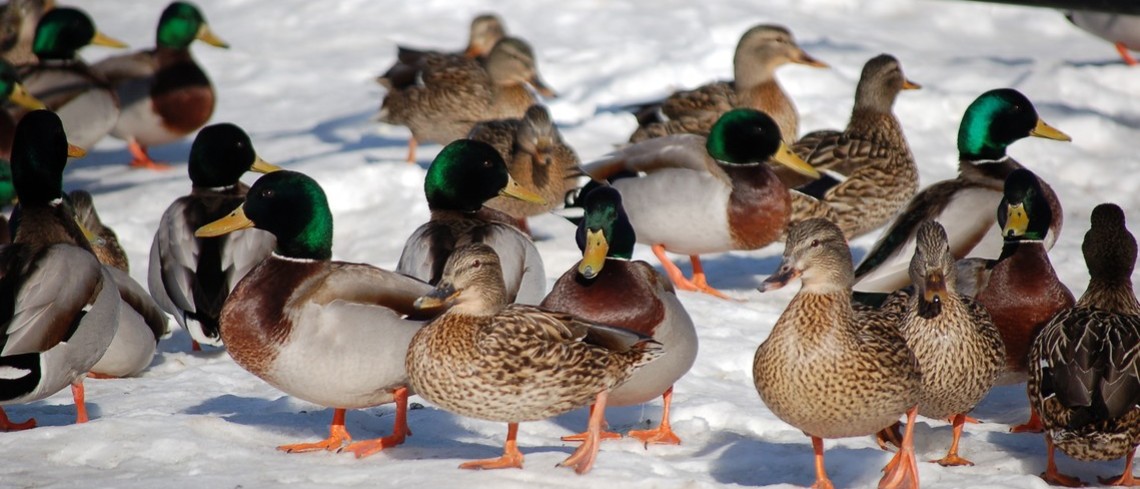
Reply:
x=909, y=85
x=513, y=189
x=262, y=166
x=1043, y=130
x=102, y=39
x=74, y=151
x=207, y=36
x=594, y=258
x=91, y=237
x=21, y=97
x=786, y=157
x=1016, y=220
x=236, y=220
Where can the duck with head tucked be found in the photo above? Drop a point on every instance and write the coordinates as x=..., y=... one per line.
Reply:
x=191, y=276
x=829, y=370
x=60, y=307
x=1083, y=367
x=464, y=176
x=452, y=93
x=513, y=363
x=486, y=30
x=762, y=49
x=964, y=205
x=608, y=287
x=689, y=194
x=163, y=94
x=330, y=332
x=83, y=99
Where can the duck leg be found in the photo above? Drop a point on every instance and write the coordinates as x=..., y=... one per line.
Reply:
x=969, y=419
x=1032, y=426
x=194, y=346
x=140, y=158
x=663, y=433
x=7, y=424
x=889, y=436
x=1052, y=476
x=699, y=279
x=583, y=458
x=1125, y=55
x=821, y=480
x=512, y=458
x=412, y=143
x=902, y=470
x=674, y=273
x=400, y=430
x=80, y=404
x=952, y=458
x=1124, y=479
x=338, y=436
x=605, y=434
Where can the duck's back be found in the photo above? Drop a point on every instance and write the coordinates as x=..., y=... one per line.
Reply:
x=451, y=94
x=82, y=100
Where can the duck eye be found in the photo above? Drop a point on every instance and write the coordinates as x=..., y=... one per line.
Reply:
x=487, y=164
x=267, y=193
x=814, y=243
x=476, y=264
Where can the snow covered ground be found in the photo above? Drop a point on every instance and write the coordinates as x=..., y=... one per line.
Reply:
x=299, y=79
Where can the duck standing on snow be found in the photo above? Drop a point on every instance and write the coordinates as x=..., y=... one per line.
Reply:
x=705, y=195
x=829, y=370
x=163, y=94
x=1122, y=30
x=536, y=158
x=464, y=176
x=486, y=31
x=61, y=307
x=329, y=332
x=451, y=93
x=868, y=168
x=512, y=363
x=607, y=287
x=964, y=205
x=761, y=50
x=190, y=276
x=67, y=85
x=1083, y=366
x=1020, y=289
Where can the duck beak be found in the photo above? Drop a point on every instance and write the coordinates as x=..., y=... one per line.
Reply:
x=91, y=237
x=234, y=221
x=804, y=58
x=21, y=97
x=786, y=157
x=262, y=166
x=74, y=151
x=594, y=258
x=785, y=274
x=1043, y=130
x=934, y=287
x=439, y=297
x=207, y=36
x=102, y=39
x=541, y=88
x=513, y=189
x=909, y=85
x=1016, y=220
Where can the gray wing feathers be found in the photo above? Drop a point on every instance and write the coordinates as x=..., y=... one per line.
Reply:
x=45, y=308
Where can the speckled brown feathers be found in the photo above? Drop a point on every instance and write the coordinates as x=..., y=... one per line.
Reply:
x=107, y=247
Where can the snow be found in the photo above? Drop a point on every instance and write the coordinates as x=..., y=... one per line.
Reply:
x=299, y=80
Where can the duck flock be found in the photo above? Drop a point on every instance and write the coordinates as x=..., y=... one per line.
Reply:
x=951, y=292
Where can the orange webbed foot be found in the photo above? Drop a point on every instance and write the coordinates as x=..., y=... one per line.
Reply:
x=512, y=458
x=365, y=448
x=1059, y=479
x=661, y=435
x=140, y=159
x=1032, y=426
x=8, y=425
x=902, y=470
x=967, y=420
x=1124, y=480
x=605, y=435
x=953, y=461
x=338, y=436
x=149, y=164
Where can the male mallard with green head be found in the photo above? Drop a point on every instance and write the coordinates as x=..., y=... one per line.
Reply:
x=1083, y=366
x=695, y=195
x=164, y=94
x=332, y=333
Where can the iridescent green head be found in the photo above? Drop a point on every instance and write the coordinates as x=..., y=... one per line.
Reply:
x=7, y=189
x=467, y=173
x=63, y=31
x=181, y=23
x=221, y=154
x=747, y=136
x=604, y=232
x=997, y=119
x=1024, y=213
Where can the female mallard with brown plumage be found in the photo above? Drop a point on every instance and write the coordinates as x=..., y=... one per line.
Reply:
x=329, y=332
x=1083, y=366
x=486, y=30
x=689, y=194
x=18, y=21
x=513, y=363
x=1020, y=289
x=829, y=370
x=607, y=287
x=451, y=93
x=761, y=50
x=536, y=158
x=868, y=168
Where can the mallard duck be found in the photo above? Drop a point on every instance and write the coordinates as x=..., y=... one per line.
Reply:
x=536, y=157
x=1020, y=290
x=1118, y=28
x=607, y=287
x=330, y=332
x=464, y=176
x=452, y=93
x=105, y=242
x=18, y=20
x=964, y=204
x=163, y=94
x=956, y=343
x=522, y=363
x=761, y=50
x=191, y=276
x=12, y=91
x=65, y=83
x=486, y=30
x=1083, y=366
x=829, y=370
x=870, y=171
x=701, y=195
x=62, y=308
